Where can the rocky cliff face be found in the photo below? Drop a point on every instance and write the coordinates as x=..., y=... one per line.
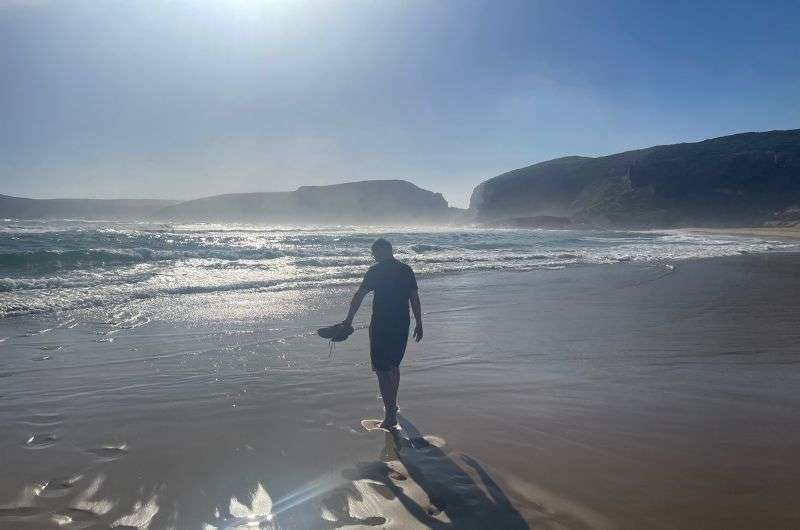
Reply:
x=367, y=202
x=742, y=179
x=23, y=208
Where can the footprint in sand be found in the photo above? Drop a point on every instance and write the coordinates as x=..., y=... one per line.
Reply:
x=41, y=440
x=58, y=487
x=19, y=512
x=43, y=420
x=74, y=515
x=110, y=452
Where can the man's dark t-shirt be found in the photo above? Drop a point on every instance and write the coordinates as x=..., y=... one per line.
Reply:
x=392, y=282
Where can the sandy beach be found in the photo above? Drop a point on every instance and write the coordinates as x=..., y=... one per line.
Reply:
x=218, y=218
x=622, y=396
x=788, y=232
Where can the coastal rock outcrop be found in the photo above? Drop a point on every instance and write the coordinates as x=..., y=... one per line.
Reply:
x=110, y=209
x=365, y=202
x=738, y=180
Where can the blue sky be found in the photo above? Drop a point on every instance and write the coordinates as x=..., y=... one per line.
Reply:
x=183, y=99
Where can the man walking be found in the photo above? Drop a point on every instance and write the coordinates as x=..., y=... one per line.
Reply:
x=394, y=286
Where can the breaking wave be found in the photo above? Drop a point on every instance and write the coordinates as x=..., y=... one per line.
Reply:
x=55, y=266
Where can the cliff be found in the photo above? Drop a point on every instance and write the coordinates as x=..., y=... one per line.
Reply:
x=23, y=208
x=366, y=202
x=739, y=180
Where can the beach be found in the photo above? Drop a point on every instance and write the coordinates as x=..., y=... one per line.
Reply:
x=787, y=232
x=399, y=265
x=628, y=395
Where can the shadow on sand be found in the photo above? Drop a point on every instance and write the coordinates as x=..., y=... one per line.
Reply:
x=420, y=484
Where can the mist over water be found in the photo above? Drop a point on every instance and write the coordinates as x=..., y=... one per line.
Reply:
x=60, y=265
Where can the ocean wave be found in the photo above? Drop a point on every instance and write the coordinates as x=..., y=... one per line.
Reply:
x=56, y=267
x=82, y=280
x=66, y=259
x=70, y=258
x=496, y=246
x=34, y=302
x=331, y=262
x=110, y=295
x=12, y=284
x=425, y=248
x=487, y=258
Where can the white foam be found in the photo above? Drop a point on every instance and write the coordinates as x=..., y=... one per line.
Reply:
x=63, y=265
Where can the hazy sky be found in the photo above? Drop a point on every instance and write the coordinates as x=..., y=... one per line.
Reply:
x=182, y=99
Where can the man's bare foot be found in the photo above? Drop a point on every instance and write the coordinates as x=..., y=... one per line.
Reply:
x=389, y=420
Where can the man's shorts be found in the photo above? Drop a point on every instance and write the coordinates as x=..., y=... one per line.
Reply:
x=387, y=344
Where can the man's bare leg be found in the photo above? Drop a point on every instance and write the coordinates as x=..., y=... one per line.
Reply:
x=396, y=390
x=396, y=384
x=388, y=383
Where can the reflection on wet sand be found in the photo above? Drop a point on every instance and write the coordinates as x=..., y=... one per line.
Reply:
x=594, y=398
x=417, y=483
x=255, y=513
x=50, y=505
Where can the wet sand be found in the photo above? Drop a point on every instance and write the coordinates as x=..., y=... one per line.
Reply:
x=618, y=396
x=787, y=232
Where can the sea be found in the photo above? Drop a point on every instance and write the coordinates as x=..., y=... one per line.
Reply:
x=56, y=266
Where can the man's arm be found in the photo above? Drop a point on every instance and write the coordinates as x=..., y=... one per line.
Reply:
x=355, y=303
x=417, y=310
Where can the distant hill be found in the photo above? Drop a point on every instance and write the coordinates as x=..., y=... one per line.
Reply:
x=740, y=180
x=22, y=208
x=365, y=202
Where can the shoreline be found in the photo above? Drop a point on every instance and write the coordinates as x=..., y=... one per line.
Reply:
x=787, y=232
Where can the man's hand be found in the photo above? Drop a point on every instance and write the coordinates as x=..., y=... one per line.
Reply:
x=418, y=332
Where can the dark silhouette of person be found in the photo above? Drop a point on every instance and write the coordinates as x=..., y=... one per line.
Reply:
x=394, y=286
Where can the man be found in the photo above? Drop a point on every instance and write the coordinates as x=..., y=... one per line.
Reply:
x=394, y=285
